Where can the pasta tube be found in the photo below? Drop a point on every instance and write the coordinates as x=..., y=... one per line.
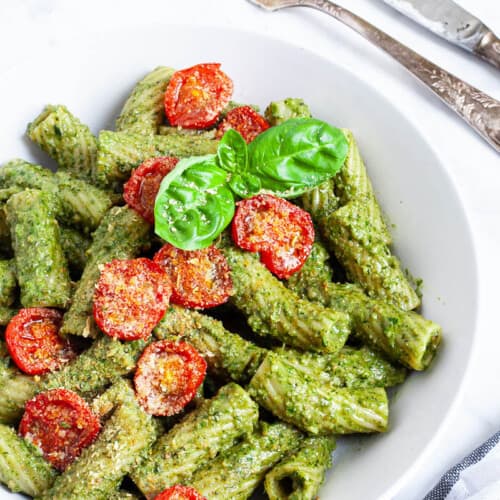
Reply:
x=81, y=204
x=42, y=269
x=143, y=111
x=75, y=246
x=235, y=474
x=119, y=153
x=65, y=139
x=104, y=361
x=404, y=336
x=366, y=258
x=300, y=475
x=22, y=467
x=278, y=112
x=273, y=310
x=121, y=235
x=315, y=405
x=15, y=389
x=213, y=427
x=354, y=368
x=8, y=283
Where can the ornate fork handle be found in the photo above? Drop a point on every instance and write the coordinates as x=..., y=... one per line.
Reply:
x=478, y=109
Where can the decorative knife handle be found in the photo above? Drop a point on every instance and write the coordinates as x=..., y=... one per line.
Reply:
x=478, y=109
x=489, y=49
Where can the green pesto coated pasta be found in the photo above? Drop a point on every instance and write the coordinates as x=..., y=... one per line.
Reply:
x=273, y=310
x=15, y=389
x=81, y=204
x=75, y=246
x=210, y=429
x=314, y=405
x=143, y=111
x=119, y=153
x=65, y=139
x=366, y=258
x=354, y=368
x=6, y=193
x=8, y=283
x=300, y=475
x=237, y=472
x=41, y=267
x=404, y=336
x=353, y=184
x=6, y=314
x=121, y=444
x=320, y=201
x=278, y=112
x=351, y=223
x=104, y=361
x=5, y=239
x=228, y=355
x=176, y=131
x=22, y=467
x=122, y=234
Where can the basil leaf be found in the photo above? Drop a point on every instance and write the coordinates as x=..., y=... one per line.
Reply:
x=296, y=155
x=233, y=152
x=194, y=204
x=245, y=185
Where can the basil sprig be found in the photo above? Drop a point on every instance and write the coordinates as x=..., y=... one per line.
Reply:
x=195, y=202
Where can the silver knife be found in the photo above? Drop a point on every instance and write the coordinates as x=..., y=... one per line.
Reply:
x=450, y=21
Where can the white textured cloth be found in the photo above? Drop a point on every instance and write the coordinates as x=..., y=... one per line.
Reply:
x=476, y=477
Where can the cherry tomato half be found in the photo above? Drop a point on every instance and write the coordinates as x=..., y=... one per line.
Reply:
x=200, y=278
x=167, y=377
x=280, y=231
x=244, y=120
x=140, y=191
x=33, y=341
x=61, y=424
x=195, y=96
x=130, y=298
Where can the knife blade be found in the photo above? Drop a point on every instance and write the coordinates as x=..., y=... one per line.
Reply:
x=453, y=23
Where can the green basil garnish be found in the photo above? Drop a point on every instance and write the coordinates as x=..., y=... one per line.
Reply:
x=297, y=155
x=194, y=203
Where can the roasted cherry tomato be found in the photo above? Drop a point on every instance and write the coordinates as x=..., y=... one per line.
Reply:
x=195, y=96
x=141, y=189
x=130, y=298
x=200, y=278
x=244, y=120
x=167, y=377
x=179, y=492
x=281, y=232
x=33, y=341
x=61, y=424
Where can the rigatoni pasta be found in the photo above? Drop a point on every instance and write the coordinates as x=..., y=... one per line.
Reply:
x=313, y=353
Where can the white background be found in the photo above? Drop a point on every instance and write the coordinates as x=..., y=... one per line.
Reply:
x=36, y=26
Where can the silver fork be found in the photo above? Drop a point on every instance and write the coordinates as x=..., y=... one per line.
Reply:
x=478, y=109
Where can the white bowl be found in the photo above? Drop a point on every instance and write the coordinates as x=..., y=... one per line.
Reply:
x=431, y=233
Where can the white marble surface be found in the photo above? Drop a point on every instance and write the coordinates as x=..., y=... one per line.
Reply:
x=39, y=25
